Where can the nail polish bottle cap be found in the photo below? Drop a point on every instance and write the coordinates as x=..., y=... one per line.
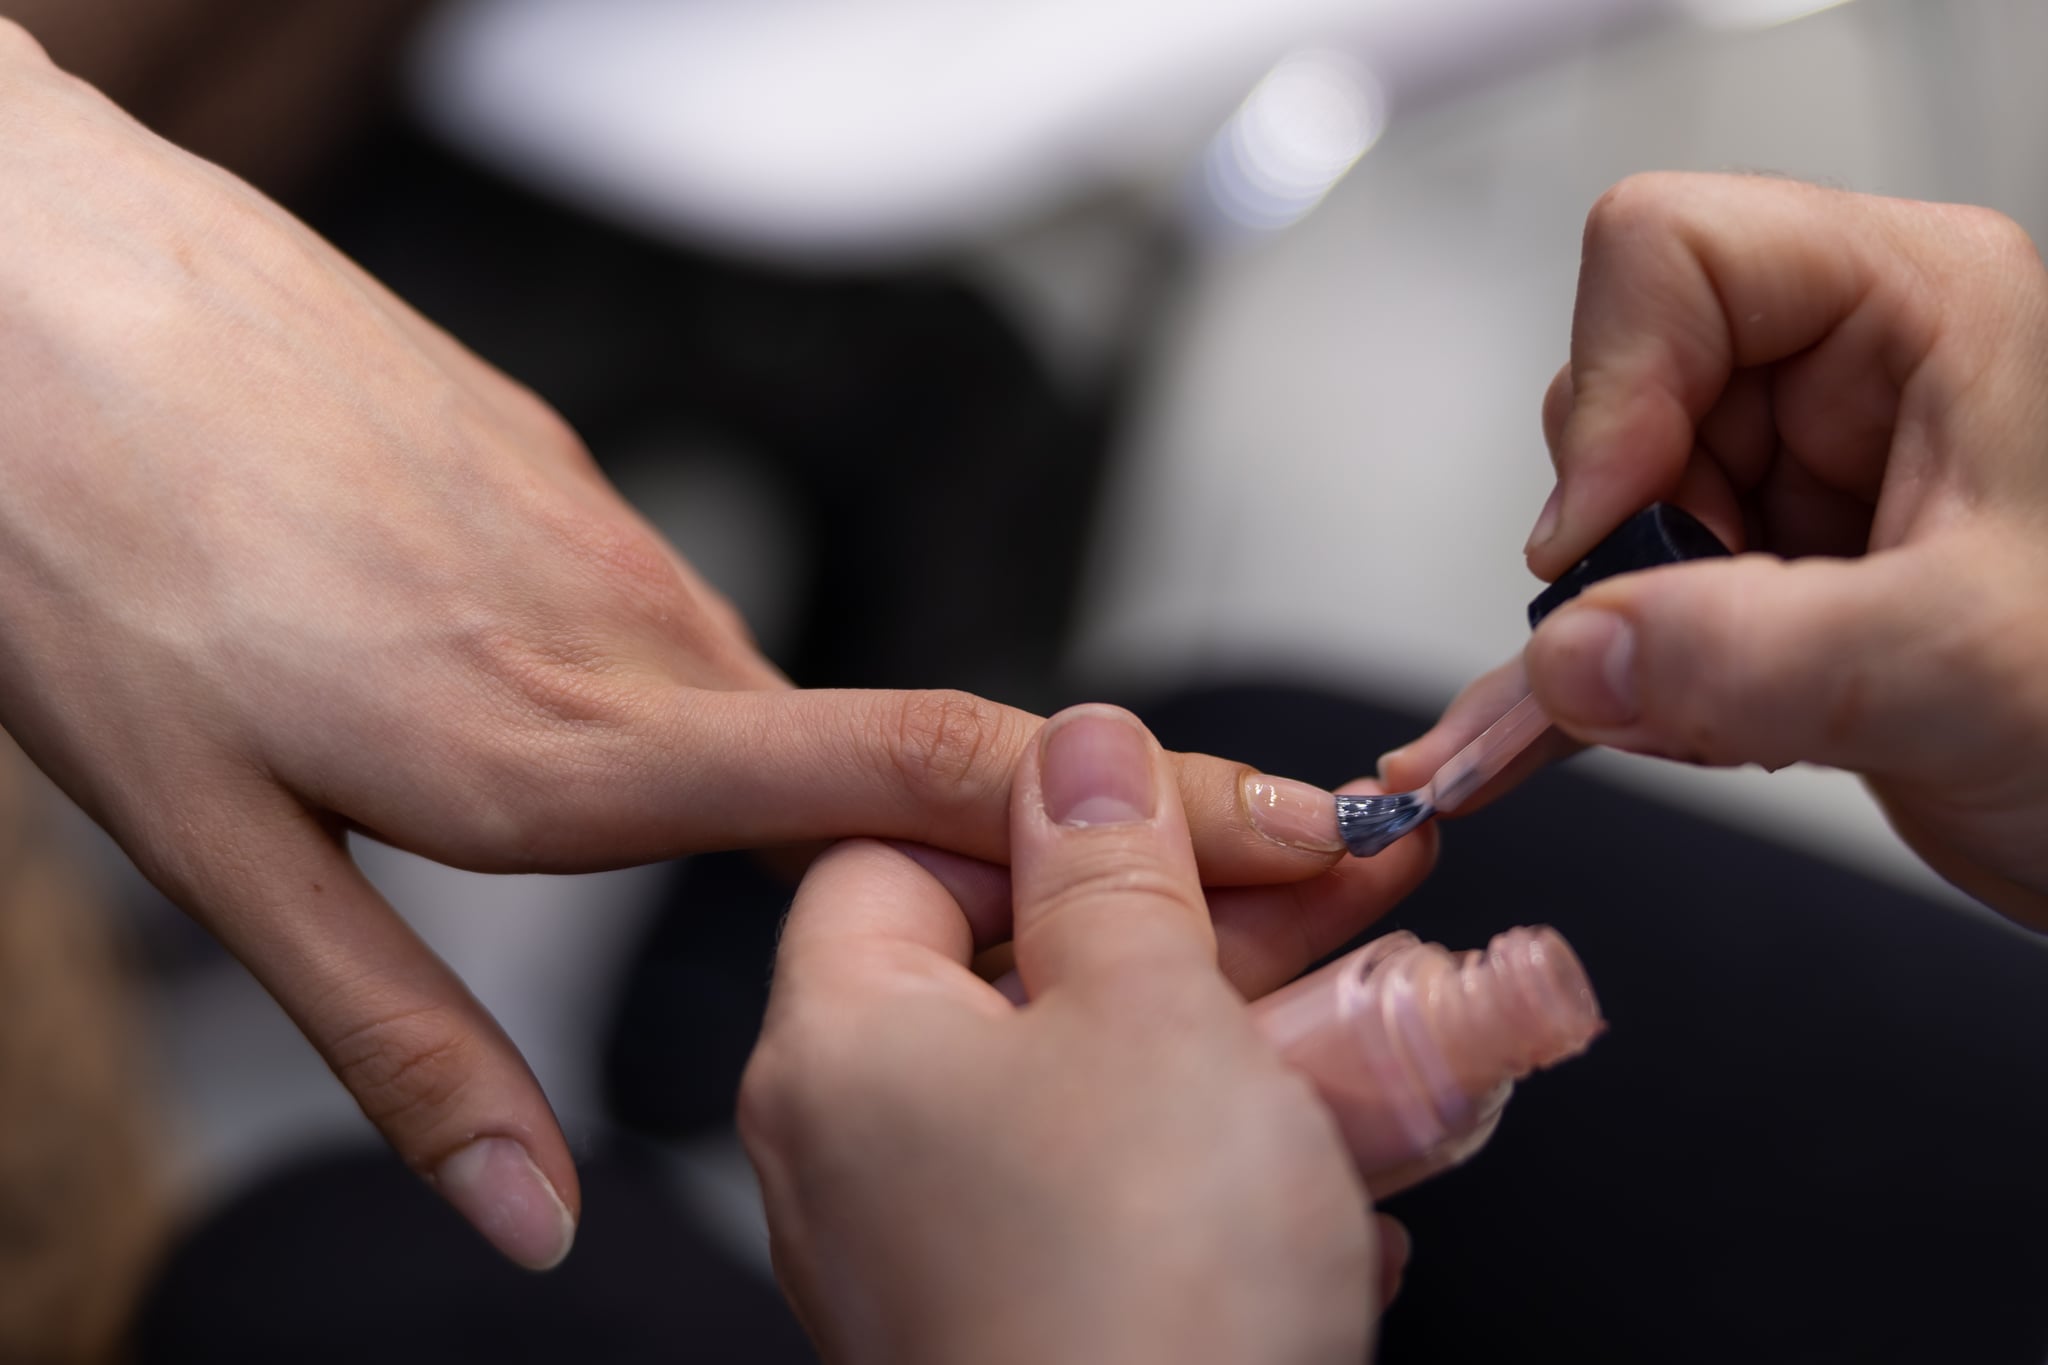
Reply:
x=1659, y=534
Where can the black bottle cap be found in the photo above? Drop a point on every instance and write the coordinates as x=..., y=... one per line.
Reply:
x=1659, y=534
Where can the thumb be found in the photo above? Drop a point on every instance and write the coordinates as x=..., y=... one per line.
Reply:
x=1102, y=873
x=1760, y=660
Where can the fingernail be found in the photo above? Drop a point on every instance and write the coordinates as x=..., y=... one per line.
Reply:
x=1388, y=760
x=1593, y=674
x=1095, y=768
x=1292, y=813
x=1546, y=521
x=495, y=1185
x=1010, y=986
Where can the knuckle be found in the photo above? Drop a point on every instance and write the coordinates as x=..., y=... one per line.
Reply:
x=941, y=741
x=408, y=1069
x=804, y=1076
x=1108, y=882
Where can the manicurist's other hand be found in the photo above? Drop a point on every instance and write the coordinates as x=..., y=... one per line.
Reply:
x=279, y=560
x=1858, y=388
x=1120, y=1170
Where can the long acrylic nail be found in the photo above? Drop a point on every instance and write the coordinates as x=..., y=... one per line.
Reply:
x=1095, y=768
x=1292, y=813
x=495, y=1185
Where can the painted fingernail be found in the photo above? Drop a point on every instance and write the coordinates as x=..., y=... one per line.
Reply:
x=1593, y=656
x=1546, y=521
x=1292, y=813
x=1095, y=768
x=495, y=1185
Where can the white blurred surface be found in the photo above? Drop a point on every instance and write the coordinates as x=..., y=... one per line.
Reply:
x=821, y=131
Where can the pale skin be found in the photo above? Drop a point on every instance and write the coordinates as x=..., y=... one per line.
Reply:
x=1120, y=1170
x=281, y=561
x=1858, y=389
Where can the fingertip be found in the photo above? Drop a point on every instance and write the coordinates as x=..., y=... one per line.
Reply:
x=501, y=1191
x=1096, y=767
x=1397, y=1248
x=1102, y=869
x=1582, y=667
x=1294, y=815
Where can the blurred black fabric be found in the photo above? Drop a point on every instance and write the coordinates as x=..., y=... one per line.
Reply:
x=348, y=1258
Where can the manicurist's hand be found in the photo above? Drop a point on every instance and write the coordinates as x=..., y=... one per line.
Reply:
x=279, y=560
x=1858, y=388
x=1120, y=1170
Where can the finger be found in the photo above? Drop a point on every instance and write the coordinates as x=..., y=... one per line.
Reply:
x=1557, y=407
x=1397, y=1248
x=1266, y=936
x=1686, y=279
x=871, y=922
x=1103, y=877
x=1484, y=701
x=712, y=770
x=1756, y=660
x=424, y=1060
x=980, y=890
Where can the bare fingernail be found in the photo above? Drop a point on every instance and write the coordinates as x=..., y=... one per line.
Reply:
x=1546, y=521
x=1592, y=667
x=495, y=1185
x=1388, y=760
x=1095, y=768
x=1292, y=813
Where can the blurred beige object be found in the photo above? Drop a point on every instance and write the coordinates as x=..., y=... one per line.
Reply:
x=82, y=1213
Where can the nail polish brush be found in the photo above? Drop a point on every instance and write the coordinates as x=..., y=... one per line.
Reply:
x=1659, y=534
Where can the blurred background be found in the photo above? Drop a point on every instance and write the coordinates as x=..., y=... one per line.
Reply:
x=1183, y=354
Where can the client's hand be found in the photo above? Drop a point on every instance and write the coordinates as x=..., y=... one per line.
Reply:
x=1121, y=1170
x=280, y=560
x=1858, y=386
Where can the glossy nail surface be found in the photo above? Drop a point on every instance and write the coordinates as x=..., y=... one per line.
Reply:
x=1292, y=813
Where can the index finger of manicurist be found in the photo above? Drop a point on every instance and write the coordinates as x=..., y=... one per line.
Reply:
x=1684, y=280
x=1103, y=875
